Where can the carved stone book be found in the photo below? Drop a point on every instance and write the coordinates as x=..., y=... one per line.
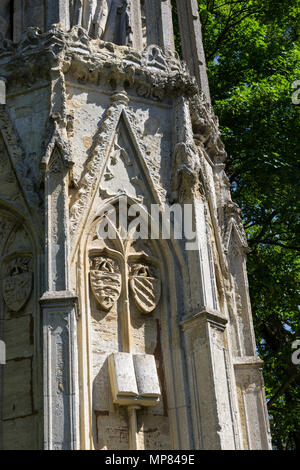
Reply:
x=134, y=379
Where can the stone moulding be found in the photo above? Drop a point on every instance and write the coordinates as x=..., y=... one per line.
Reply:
x=64, y=148
x=234, y=222
x=203, y=316
x=16, y=153
x=152, y=73
x=206, y=130
x=95, y=167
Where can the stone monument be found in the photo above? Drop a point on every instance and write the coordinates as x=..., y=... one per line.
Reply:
x=124, y=305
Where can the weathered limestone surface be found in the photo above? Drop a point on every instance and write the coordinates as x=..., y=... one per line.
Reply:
x=5, y=23
x=192, y=45
x=97, y=113
x=19, y=376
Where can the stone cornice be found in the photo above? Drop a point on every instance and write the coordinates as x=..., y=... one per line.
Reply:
x=204, y=316
x=246, y=362
x=151, y=73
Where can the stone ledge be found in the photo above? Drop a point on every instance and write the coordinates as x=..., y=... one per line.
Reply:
x=247, y=361
x=58, y=298
x=205, y=315
x=152, y=73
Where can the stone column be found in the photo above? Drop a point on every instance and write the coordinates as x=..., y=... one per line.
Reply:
x=159, y=24
x=192, y=45
x=18, y=20
x=2, y=91
x=200, y=258
x=185, y=185
x=209, y=380
x=5, y=20
x=39, y=14
x=58, y=306
x=167, y=31
x=210, y=373
x=57, y=274
x=58, y=11
x=252, y=403
x=136, y=24
x=152, y=22
x=60, y=371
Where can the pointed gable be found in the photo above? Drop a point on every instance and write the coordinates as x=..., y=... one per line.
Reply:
x=117, y=167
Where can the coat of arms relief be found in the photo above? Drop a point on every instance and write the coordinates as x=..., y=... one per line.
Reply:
x=125, y=265
x=145, y=286
x=106, y=281
x=16, y=263
x=17, y=283
x=142, y=278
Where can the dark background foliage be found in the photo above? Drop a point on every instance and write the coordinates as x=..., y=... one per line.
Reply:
x=252, y=52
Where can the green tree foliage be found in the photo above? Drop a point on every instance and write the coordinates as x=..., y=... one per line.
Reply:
x=252, y=51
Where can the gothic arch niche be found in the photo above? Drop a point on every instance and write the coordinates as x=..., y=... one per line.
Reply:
x=18, y=323
x=129, y=299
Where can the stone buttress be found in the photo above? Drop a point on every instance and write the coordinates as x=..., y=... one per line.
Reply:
x=126, y=341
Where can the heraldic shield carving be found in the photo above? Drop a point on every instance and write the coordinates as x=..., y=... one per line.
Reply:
x=106, y=281
x=145, y=287
x=17, y=286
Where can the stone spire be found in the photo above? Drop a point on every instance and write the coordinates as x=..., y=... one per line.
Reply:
x=192, y=44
